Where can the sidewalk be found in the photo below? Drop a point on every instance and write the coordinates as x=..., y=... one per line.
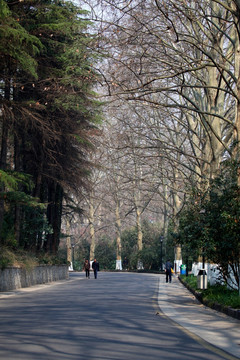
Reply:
x=218, y=329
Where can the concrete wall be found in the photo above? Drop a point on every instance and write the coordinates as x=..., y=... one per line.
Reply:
x=13, y=278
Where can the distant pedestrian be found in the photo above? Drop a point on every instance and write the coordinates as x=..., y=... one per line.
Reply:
x=86, y=267
x=95, y=267
x=168, y=270
x=125, y=263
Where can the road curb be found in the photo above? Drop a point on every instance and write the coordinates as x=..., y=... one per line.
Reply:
x=215, y=306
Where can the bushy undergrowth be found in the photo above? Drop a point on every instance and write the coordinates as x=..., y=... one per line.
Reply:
x=222, y=295
x=191, y=280
x=27, y=260
x=215, y=294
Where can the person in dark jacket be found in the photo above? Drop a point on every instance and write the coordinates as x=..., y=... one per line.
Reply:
x=125, y=264
x=168, y=270
x=86, y=267
x=95, y=267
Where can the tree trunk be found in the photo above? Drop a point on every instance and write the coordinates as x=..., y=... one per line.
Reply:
x=119, y=244
x=139, y=230
x=54, y=212
x=237, y=122
x=165, y=211
x=68, y=243
x=92, y=229
x=4, y=147
x=17, y=206
x=176, y=208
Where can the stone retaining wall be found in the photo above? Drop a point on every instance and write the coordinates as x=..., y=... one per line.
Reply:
x=13, y=278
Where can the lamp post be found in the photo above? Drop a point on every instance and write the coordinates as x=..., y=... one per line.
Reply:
x=161, y=263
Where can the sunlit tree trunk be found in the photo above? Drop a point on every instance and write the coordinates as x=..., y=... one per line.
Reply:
x=138, y=226
x=176, y=207
x=166, y=211
x=68, y=245
x=139, y=229
x=236, y=151
x=92, y=229
x=118, y=240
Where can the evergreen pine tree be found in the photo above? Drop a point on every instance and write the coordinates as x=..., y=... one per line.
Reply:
x=53, y=110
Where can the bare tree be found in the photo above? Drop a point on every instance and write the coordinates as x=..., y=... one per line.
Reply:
x=172, y=75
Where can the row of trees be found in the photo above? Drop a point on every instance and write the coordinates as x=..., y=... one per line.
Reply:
x=170, y=82
x=48, y=117
x=172, y=92
x=152, y=254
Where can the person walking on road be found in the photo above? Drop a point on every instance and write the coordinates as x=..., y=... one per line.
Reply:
x=95, y=267
x=168, y=270
x=86, y=267
x=125, y=263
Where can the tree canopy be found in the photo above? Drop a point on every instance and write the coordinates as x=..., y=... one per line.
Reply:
x=49, y=115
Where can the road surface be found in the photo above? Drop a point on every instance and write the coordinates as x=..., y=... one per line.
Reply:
x=114, y=317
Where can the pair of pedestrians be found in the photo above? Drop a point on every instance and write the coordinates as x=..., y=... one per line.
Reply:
x=95, y=267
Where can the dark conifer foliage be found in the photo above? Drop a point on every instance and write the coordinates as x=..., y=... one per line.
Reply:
x=48, y=115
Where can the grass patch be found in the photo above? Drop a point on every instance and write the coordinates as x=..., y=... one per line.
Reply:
x=222, y=295
x=215, y=294
x=191, y=280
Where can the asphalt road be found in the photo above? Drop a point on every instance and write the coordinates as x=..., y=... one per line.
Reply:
x=114, y=317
